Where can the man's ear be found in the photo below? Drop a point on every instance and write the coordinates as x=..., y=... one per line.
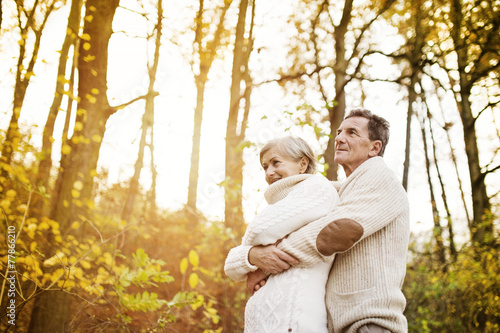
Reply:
x=376, y=147
x=303, y=164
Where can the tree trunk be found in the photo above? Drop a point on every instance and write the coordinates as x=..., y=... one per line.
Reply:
x=45, y=160
x=23, y=77
x=439, y=250
x=147, y=122
x=51, y=312
x=336, y=115
x=233, y=213
x=481, y=229
x=206, y=56
x=451, y=234
x=412, y=96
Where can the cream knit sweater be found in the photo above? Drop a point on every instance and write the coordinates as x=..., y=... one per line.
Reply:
x=365, y=281
x=293, y=202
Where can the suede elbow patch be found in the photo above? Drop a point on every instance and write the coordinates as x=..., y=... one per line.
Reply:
x=338, y=236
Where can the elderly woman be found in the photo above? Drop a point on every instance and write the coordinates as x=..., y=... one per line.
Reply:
x=294, y=300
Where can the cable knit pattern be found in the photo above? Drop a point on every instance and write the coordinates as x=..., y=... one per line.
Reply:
x=294, y=299
x=365, y=282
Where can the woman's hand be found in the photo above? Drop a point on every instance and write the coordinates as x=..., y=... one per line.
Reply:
x=256, y=280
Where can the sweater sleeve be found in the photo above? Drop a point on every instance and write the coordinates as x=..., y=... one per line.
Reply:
x=237, y=265
x=308, y=201
x=370, y=200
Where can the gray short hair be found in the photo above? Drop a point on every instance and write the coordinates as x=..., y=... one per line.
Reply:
x=378, y=127
x=294, y=148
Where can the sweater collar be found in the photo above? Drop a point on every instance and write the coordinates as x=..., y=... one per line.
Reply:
x=373, y=162
x=281, y=188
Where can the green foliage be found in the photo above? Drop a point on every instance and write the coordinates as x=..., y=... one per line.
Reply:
x=464, y=297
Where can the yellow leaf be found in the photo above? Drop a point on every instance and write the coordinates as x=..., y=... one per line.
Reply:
x=33, y=246
x=66, y=149
x=184, y=265
x=43, y=226
x=95, y=91
x=96, y=138
x=86, y=46
x=75, y=225
x=89, y=58
x=78, y=126
x=85, y=264
x=85, y=37
x=193, y=280
x=78, y=185
x=91, y=98
x=21, y=208
x=194, y=259
x=75, y=193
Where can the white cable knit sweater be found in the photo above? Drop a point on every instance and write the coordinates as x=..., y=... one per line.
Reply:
x=294, y=299
x=368, y=233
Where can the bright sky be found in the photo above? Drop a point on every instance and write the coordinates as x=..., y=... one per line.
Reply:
x=175, y=110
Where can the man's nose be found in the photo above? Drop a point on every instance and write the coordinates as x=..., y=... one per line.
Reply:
x=340, y=137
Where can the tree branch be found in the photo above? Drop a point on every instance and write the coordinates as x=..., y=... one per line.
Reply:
x=113, y=109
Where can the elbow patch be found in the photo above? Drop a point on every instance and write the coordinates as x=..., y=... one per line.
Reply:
x=338, y=236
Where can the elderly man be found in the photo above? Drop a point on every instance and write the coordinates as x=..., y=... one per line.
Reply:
x=367, y=235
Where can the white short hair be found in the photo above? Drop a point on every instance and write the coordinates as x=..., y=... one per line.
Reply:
x=293, y=148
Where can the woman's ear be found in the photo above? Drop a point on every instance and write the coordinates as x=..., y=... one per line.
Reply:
x=376, y=147
x=303, y=164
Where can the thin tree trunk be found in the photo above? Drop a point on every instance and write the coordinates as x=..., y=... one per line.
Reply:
x=438, y=230
x=206, y=57
x=412, y=96
x=45, y=161
x=235, y=131
x=147, y=122
x=336, y=114
x=481, y=230
x=451, y=234
x=23, y=78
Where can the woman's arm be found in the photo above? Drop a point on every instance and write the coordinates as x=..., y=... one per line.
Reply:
x=237, y=265
x=308, y=201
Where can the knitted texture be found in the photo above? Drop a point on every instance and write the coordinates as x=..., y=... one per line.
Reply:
x=365, y=281
x=295, y=299
x=296, y=201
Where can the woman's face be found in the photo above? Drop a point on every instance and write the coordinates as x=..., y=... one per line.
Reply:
x=278, y=167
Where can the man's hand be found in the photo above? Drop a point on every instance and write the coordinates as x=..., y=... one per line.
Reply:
x=256, y=280
x=271, y=259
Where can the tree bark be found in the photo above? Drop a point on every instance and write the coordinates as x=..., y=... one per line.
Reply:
x=23, y=77
x=147, y=122
x=481, y=229
x=45, y=160
x=439, y=250
x=206, y=57
x=233, y=213
x=51, y=311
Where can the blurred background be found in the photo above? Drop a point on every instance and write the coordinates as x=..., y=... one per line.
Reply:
x=130, y=133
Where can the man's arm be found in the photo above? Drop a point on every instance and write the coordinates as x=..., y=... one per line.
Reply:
x=309, y=200
x=369, y=201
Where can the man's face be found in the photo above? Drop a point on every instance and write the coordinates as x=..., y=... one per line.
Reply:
x=352, y=144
